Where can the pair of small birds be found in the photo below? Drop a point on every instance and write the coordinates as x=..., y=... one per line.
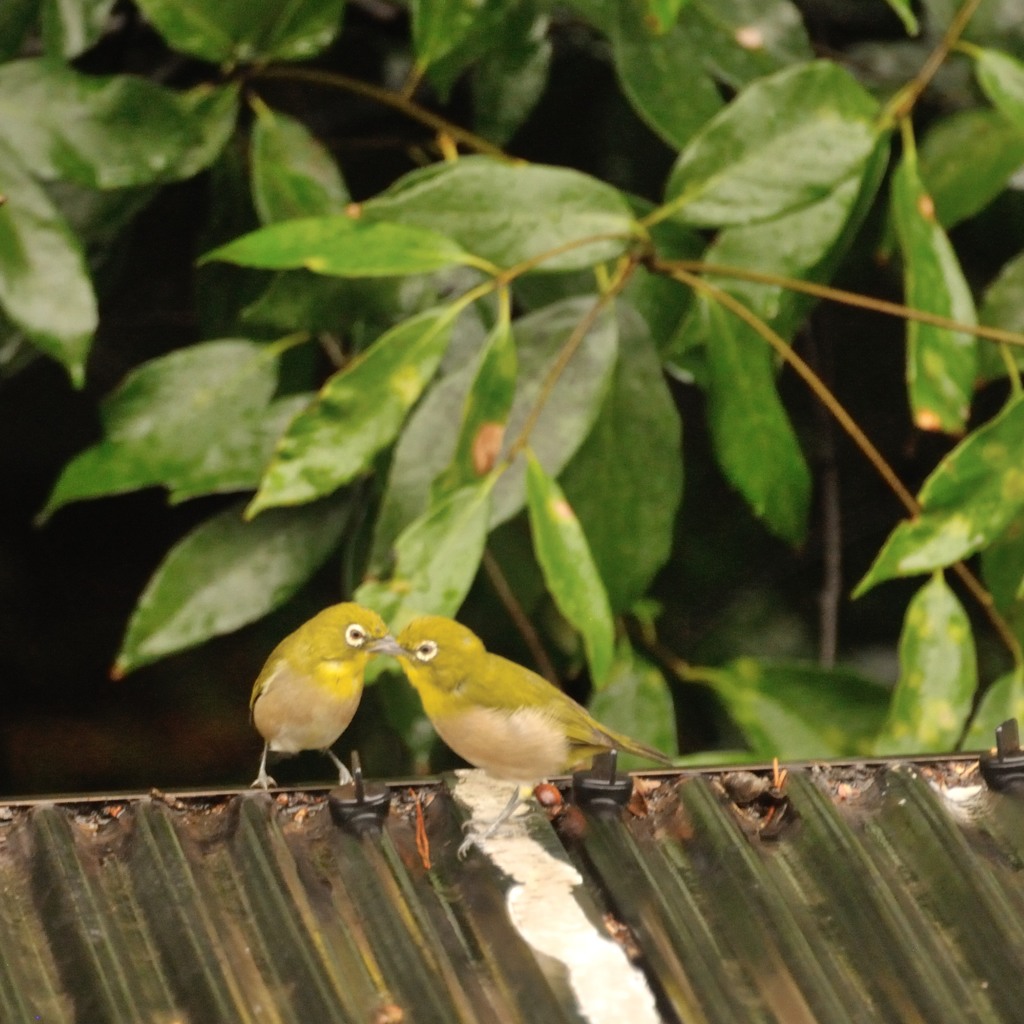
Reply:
x=495, y=714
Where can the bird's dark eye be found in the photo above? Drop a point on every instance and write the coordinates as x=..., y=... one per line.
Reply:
x=355, y=635
x=426, y=650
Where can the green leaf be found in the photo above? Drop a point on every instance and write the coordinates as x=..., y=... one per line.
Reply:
x=438, y=26
x=227, y=573
x=97, y=219
x=941, y=364
x=804, y=244
x=1002, y=306
x=510, y=213
x=16, y=353
x=40, y=260
x=427, y=444
x=103, y=132
x=792, y=710
x=436, y=558
x=1002, y=79
x=938, y=675
x=637, y=702
x=754, y=441
x=626, y=480
x=569, y=569
x=969, y=499
x=512, y=78
x=344, y=247
x=237, y=31
x=70, y=27
x=238, y=459
x=1002, y=700
x=744, y=40
x=213, y=113
x=966, y=160
x=785, y=141
x=1002, y=568
x=905, y=12
x=293, y=175
x=665, y=12
x=423, y=452
x=197, y=421
x=346, y=306
x=358, y=412
x=495, y=32
x=574, y=402
x=485, y=411
x=662, y=75
x=662, y=302
x=16, y=18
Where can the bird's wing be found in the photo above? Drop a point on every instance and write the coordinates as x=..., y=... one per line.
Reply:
x=626, y=743
x=275, y=668
x=534, y=690
x=529, y=688
x=585, y=734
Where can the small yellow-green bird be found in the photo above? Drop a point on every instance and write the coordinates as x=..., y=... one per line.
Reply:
x=309, y=689
x=497, y=715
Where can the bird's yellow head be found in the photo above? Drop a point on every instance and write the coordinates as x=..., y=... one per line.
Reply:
x=345, y=630
x=439, y=652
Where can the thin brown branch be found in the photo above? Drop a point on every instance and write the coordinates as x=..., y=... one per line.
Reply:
x=903, y=102
x=569, y=349
x=540, y=258
x=859, y=438
x=830, y=594
x=519, y=617
x=823, y=291
x=388, y=98
x=809, y=377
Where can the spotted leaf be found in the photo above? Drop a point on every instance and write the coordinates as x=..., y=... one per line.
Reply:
x=358, y=412
x=485, y=410
x=938, y=675
x=941, y=363
x=569, y=569
x=436, y=558
x=341, y=246
x=1002, y=700
x=970, y=498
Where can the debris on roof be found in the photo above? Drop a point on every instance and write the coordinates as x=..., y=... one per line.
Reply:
x=836, y=892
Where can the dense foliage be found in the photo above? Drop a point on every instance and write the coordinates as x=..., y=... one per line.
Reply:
x=465, y=382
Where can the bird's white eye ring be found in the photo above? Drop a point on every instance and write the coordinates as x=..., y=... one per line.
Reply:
x=426, y=651
x=355, y=635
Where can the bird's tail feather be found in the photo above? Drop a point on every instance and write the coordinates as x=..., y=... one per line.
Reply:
x=631, y=746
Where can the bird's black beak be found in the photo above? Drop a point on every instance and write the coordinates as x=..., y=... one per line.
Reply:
x=387, y=645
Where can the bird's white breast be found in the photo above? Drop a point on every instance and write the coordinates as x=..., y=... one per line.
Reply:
x=293, y=713
x=520, y=745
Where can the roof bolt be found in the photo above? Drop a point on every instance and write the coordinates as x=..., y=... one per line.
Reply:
x=603, y=788
x=1003, y=767
x=360, y=806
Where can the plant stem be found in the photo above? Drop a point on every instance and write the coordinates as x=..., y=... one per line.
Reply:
x=387, y=98
x=859, y=438
x=901, y=105
x=519, y=617
x=569, y=349
x=839, y=295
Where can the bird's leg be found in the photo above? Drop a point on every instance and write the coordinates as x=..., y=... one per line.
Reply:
x=472, y=840
x=344, y=775
x=263, y=780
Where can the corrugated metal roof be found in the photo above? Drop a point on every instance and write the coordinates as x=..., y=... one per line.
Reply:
x=864, y=893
